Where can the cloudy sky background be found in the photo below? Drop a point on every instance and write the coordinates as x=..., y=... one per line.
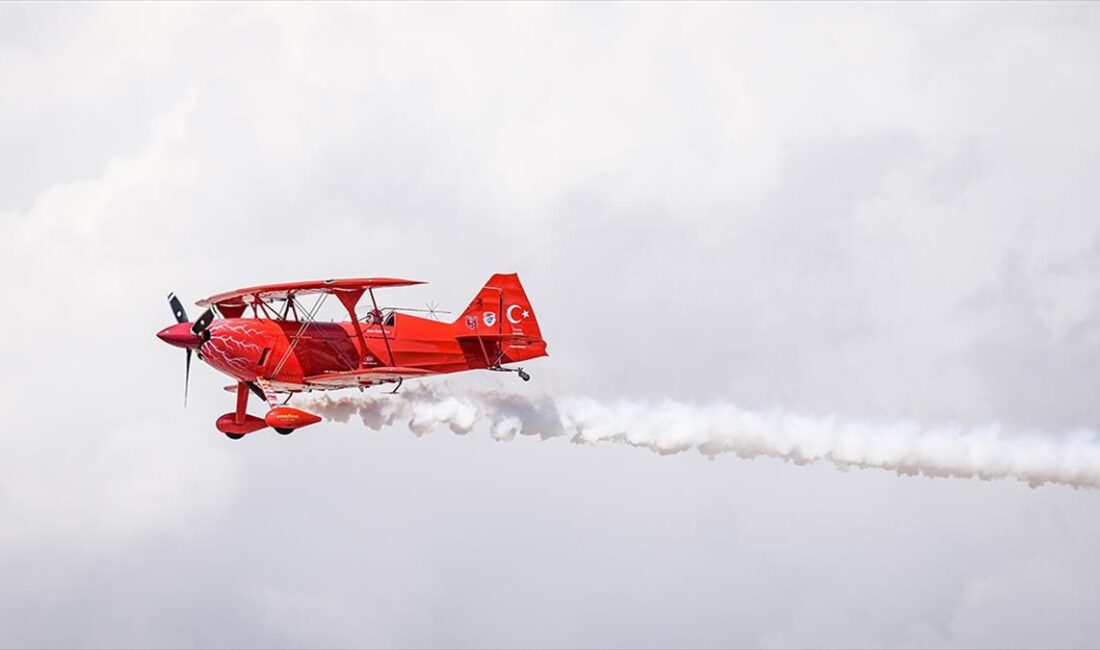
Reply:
x=881, y=212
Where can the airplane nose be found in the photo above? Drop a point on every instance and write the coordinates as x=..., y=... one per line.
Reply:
x=180, y=335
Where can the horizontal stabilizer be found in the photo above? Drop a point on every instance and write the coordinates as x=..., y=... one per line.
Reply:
x=497, y=337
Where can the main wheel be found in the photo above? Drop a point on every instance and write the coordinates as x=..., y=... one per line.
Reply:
x=285, y=432
x=234, y=436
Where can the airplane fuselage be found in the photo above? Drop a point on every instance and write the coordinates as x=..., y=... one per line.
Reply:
x=248, y=349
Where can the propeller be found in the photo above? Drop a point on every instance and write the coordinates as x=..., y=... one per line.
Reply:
x=199, y=329
x=177, y=308
x=187, y=377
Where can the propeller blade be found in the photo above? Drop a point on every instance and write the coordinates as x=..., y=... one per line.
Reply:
x=177, y=308
x=203, y=322
x=187, y=377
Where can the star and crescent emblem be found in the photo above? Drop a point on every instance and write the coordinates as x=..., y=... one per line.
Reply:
x=511, y=314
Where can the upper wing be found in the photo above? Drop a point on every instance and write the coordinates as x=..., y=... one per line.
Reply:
x=363, y=377
x=237, y=300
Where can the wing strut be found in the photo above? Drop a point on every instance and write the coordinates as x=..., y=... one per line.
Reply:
x=381, y=325
x=310, y=315
x=349, y=299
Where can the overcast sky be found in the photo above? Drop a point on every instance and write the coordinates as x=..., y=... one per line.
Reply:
x=864, y=211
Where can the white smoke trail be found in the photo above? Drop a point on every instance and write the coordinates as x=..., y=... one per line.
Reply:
x=671, y=427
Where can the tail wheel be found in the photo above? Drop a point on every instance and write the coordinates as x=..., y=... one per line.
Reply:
x=285, y=432
x=234, y=436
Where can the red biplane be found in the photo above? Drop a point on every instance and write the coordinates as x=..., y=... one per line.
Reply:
x=281, y=349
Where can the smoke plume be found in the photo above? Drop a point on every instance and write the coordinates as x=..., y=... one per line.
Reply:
x=986, y=452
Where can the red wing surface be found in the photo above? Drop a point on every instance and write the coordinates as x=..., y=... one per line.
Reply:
x=364, y=377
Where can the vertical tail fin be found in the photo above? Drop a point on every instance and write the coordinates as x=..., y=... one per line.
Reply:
x=502, y=311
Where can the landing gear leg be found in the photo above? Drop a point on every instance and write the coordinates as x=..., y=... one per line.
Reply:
x=242, y=402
